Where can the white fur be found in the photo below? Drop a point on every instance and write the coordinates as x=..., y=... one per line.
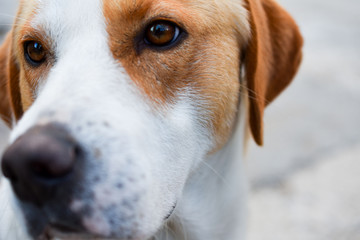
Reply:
x=87, y=89
x=12, y=226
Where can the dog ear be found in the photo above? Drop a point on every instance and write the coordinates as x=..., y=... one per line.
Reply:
x=272, y=57
x=10, y=103
x=5, y=109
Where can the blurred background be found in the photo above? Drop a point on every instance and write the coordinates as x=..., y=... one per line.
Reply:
x=305, y=181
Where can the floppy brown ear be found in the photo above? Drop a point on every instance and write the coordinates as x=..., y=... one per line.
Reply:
x=10, y=102
x=5, y=109
x=272, y=57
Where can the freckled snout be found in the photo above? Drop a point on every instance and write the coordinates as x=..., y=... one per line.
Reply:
x=40, y=162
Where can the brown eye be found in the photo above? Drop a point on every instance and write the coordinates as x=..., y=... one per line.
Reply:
x=35, y=53
x=162, y=33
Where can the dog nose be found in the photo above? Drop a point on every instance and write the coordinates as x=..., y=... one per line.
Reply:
x=39, y=161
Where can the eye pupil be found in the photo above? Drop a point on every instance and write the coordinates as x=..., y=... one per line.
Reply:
x=35, y=52
x=160, y=30
x=161, y=33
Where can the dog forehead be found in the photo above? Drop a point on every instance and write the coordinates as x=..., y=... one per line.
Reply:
x=72, y=14
x=206, y=13
x=66, y=16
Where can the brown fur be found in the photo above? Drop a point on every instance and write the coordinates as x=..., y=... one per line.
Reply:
x=9, y=80
x=5, y=111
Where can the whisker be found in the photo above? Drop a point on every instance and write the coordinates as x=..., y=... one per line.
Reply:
x=3, y=84
x=6, y=24
x=222, y=178
x=170, y=231
x=6, y=118
x=167, y=232
x=9, y=24
x=254, y=95
x=183, y=228
x=7, y=15
x=12, y=16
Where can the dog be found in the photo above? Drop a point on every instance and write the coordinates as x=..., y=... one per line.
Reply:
x=130, y=118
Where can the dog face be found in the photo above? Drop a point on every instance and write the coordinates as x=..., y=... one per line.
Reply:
x=127, y=98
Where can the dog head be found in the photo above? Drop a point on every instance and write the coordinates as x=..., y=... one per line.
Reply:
x=114, y=103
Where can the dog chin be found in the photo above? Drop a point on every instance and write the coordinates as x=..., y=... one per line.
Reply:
x=64, y=233
x=52, y=233
x=60, y=233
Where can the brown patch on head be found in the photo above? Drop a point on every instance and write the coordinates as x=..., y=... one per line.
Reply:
x=205, y=61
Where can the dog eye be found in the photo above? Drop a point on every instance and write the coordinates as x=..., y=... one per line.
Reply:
x=162, y=33
x=34, y=52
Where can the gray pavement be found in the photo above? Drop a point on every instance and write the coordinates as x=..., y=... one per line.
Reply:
x=305, y=182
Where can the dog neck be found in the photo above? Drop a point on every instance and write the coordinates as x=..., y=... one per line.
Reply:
x=214, y=198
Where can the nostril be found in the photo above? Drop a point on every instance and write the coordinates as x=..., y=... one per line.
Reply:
x=77, y=151
x=54, y=163
x=39, y=169
x=8, y=171
x=43, y=171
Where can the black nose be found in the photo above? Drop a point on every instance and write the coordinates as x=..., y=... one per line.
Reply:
x=40, y=161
